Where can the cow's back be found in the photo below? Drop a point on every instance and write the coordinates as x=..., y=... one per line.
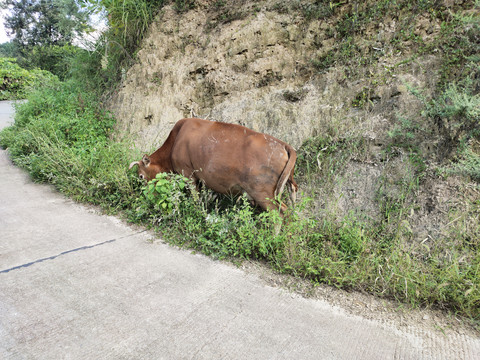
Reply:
x=229, y=158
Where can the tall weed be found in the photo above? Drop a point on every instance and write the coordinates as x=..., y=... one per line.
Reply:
x=128, y=22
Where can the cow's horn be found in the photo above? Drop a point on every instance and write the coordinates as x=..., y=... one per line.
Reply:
x=133, y=164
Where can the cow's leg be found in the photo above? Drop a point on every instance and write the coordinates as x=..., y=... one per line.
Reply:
x=266, y=202
x=249, y=198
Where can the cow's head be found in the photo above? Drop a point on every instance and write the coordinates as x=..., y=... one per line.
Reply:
x=146, y=170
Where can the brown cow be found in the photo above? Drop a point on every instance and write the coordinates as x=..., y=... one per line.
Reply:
x=228, y=158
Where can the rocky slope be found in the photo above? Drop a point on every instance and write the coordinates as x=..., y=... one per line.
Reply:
x=257, y=71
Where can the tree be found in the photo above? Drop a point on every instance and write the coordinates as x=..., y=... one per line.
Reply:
x=8, y=50
x=44, y=32
x=44, y=23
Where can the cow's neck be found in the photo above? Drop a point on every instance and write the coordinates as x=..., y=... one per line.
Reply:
x=162, y=157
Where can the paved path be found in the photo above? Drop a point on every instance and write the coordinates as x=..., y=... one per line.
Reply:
x=76, y=285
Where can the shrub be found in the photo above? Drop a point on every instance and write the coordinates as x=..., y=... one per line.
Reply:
x=15, y=82
x=166, y=192
x=54, y=59
x=128, y=22
x=457, y=113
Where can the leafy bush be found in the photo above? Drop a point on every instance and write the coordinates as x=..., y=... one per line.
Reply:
x=165, y=192
x=223, y=228
x=54, y=59
x=15, y=82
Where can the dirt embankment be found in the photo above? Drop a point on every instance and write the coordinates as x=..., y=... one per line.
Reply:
x=257, y=71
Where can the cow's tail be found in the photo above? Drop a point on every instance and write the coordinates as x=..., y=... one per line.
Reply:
x=286, y=177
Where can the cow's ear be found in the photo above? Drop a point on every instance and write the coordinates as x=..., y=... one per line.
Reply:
x=146, y=160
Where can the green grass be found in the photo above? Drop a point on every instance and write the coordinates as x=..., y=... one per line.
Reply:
x=63, y=137
x=116, y=49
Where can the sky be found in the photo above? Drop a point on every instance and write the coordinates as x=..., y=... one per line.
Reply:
x=3, y=32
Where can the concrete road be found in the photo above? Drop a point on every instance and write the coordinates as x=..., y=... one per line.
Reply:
x=76, y=285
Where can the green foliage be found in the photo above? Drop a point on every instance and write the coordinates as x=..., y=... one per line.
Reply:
x=129, y=19
x=128, y=22
x=40, y=23
x=236, y=230
x=459, y=42
x=314, y=150
x=409, y=135
x=351, y=240
x=364, y=98
x=8, y=50
x=55, y=59
x=324, y=62
x=404, y=132
x=219, y=4
x=223, y=228
x=456, y=112
x=467, y=163
x=162, y=192
x=352, y=24
x=322, y=159
x=61, y=136
x=15, y=82
x=44, y=32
